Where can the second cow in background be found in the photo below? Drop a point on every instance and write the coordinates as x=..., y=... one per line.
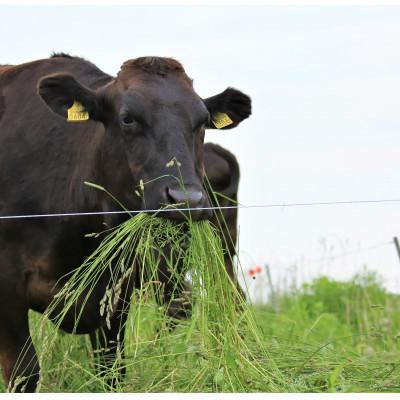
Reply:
x=222, y=184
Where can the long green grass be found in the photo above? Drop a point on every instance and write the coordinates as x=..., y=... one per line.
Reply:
x=332, y=336
x=328, y=336
x=221, y=338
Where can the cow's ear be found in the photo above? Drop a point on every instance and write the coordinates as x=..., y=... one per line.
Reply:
x=67, y=97
x=228, y=109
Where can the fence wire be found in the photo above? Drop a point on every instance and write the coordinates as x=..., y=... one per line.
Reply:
x=240, y=206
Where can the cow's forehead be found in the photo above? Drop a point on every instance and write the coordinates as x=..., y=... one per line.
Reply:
x=165, y=90
x=151, y=92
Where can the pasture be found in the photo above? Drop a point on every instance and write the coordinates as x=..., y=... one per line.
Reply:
x=327, y=336
x=158, y=302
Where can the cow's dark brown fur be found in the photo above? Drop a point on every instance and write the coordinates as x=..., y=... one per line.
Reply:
x=138, y=122
x=222, y=183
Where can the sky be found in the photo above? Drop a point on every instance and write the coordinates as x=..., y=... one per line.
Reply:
x=325, y=87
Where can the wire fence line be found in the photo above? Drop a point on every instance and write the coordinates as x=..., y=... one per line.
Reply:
x=240, y=206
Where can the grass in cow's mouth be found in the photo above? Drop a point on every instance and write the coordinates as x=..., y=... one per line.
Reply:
x=218, y=348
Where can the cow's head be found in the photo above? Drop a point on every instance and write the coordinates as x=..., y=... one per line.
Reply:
x=156, y=121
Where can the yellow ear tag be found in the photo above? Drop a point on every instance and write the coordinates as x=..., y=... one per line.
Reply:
x=77, y=112
x=220, y=120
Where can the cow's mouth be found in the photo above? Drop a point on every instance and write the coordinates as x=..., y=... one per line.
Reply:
x=183, y=213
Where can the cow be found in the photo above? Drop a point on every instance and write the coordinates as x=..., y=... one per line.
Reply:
x=222, y=183
x=63, y=121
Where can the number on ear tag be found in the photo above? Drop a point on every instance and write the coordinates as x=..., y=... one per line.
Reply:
x=220, y=120
x=77, y=112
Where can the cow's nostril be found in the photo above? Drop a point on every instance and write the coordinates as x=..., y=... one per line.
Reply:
x=189, y=197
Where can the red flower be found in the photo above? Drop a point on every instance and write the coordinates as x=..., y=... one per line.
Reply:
x=253, y=271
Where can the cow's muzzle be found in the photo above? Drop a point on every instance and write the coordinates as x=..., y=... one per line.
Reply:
x=183, y=202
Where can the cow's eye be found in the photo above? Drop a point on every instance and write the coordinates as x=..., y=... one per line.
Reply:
x=127, y=120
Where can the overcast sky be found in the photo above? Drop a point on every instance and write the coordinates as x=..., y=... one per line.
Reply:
x=325, y=84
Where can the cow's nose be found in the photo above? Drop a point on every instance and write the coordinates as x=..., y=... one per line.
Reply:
x=188, y=197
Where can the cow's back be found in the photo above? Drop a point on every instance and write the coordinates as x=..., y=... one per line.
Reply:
x=40, y=153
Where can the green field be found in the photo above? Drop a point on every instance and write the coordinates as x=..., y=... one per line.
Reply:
x=327, y=336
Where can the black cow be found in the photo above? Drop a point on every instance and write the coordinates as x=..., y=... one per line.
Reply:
x=62, y=122
x=222, y=184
